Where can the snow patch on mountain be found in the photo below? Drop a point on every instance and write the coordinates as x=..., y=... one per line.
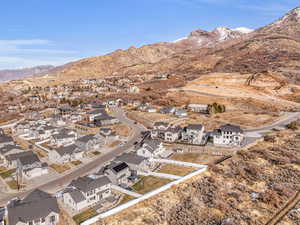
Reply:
x=244, y=30
x=180, y=39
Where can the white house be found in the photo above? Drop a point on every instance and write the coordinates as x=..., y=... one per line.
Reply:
x=228, y=135
x=151, y=149
x=87, y=191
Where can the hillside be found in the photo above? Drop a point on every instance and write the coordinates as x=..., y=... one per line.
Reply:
x=222, y=50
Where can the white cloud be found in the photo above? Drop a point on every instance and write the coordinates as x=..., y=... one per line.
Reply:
x=33, y=52
x=11, y=62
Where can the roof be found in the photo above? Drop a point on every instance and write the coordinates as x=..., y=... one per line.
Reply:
x=153, y=144
x=86, y=183
x=156, y=124
x=119, y=167
x=6, y=139
x=230, y=127
x=130, y=158
x=97, y=111
x=28, y=159
x=36, y=205
x=66, y=150
x=194, y=127
x=86, y=138
x=175, y=130
x=16, y=156
x=77, y=196
x=7, y=148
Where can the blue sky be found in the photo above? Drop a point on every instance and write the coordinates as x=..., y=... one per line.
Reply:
x=38, y=32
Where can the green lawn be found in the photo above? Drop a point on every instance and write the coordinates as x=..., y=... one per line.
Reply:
x=7, y=173
x=12, y=184
x=76, y=163
x=96, y=153
x=81, y=217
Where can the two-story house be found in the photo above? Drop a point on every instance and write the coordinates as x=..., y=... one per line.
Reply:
x=150, y=149
x=66, y=154
x=228, y=135
x=37, y=208
x=87, y=191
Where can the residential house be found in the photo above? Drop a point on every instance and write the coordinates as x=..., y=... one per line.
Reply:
x=11, y=160
x=181, y=113
x=66, y=154
x=118, y=172
x=90, y=142
x=9, y=149
x=21, y=128
x=63, y=138
x=134, y=161
x=6, y=140
x=228, y=135
x=38, y=207
x=159, y=129
x=173, y=134
x=199, y=108
x=150, y=149
x=29, y=166
x=105, y=120
x=193, y=134
x=87, y=191
x=167, y=110
x=95, y=113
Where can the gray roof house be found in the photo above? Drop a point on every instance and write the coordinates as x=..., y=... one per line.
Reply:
x=173, y=134
x=11, y=160
x=87, y=191
x=150, y=149
x=118, y=172
x=167, y=110
x=134, y=161
x=90, y=142
x=6, y=140
x=193, y=134
x=29, y=166
x=66, y=154
x=228, y=135
x=10, y=149
x=38, y=207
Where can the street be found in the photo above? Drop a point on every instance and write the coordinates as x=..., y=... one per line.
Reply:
x=59, y=183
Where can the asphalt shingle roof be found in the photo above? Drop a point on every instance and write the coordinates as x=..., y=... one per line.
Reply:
x=38, y=204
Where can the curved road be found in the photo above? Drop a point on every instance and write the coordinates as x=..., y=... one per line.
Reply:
x=60, y=182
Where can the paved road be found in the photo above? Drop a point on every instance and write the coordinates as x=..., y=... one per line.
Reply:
x=57, y=184
x=293, y=117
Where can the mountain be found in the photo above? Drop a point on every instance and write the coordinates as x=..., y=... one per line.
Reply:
x=146, y=59
x=275, y=47
x=201, y=38
x=7, y=75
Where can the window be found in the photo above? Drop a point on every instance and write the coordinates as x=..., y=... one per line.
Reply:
x=52, y=219
x=43, y=220
x=30, y=223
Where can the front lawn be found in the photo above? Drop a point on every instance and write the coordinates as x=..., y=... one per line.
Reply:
x=12, y=184
x=76, y=163
x=60, y=168
x=7, y=173
x=96, y=153
x=81, y=217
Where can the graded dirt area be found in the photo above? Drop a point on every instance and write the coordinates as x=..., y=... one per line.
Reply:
x=241, y=91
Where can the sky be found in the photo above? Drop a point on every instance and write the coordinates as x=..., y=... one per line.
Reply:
x=43, y=32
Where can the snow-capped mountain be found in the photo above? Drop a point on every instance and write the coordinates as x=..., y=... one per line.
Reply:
x=202, y=38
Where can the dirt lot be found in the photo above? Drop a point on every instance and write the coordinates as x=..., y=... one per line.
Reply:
x=245, y=119
x=246, y=189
